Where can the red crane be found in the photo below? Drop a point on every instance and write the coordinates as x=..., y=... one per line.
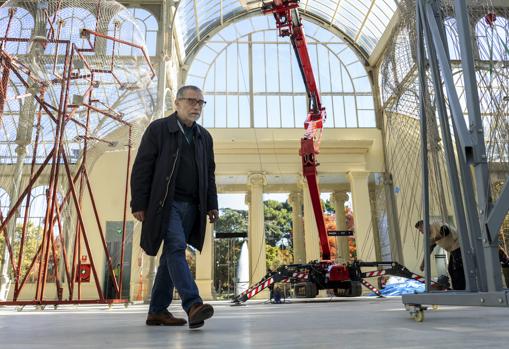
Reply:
x=288, y=22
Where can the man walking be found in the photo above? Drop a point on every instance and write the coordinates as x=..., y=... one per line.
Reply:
x=173, y=189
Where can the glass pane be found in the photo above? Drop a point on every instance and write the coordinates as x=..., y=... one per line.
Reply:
x=274, y=114
x=287, y=117
x=356, y=70
x=209, y=80
x=194, y=80
x=231, y=68
x=244, y=115
x=346, y=80
x=220, y=111
x=350, y=112
x=301, y=111
x=243, y=68
x=220, y=72
x=327, y=103
x=285, y=71
x=232, y=112
x=324, y=71
x=365, y=102
x=362, y=84
x=339, y=112
x=207, y=119
x=260, y=111
x=367, y=118
x=271, y=68
x=258, y=68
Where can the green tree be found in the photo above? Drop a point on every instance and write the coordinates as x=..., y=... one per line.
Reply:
x=276, y=257
x=32, y=239
x=278, y=233
x=327, y=207
x=231, y=221
x=278, y=221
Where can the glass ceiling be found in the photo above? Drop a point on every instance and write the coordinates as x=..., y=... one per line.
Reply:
x=363, y=21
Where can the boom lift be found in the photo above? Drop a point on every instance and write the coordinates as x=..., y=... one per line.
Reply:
x=308, y=279
x=288, y=22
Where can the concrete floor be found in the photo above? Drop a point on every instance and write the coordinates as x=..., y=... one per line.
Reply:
x=336, y=323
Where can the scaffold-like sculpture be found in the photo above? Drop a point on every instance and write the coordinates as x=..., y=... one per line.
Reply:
x=446, y=98
x=73, y=73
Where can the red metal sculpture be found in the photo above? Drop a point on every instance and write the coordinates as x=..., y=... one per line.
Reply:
x=71, y=63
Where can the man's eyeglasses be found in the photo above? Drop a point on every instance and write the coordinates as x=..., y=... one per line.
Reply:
x=194, y=101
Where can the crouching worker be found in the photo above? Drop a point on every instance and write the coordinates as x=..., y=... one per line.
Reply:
x=173, y=189
x=447, y=238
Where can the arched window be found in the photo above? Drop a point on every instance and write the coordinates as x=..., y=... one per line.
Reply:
x=38, y=204
x=147, y=27
x=250, y=78
x=492, y=34
x=21, y=27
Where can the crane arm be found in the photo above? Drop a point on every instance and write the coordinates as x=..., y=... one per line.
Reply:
x=288, y=22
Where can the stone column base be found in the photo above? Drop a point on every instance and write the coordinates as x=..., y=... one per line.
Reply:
x=206, y=288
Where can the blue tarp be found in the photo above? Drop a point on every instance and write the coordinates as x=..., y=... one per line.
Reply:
x=408, y=286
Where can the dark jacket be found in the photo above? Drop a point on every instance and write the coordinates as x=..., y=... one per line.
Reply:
x=153, y=181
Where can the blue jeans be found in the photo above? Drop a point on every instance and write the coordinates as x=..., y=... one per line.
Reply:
x=173, y=271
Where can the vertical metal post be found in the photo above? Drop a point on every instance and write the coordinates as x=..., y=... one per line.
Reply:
x=478, y=159
x=452, y=169
x=251, y=83
x=472, y=219
x=421, y=61
x=122, y=246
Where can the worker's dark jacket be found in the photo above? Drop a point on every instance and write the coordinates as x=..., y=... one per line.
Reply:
x=153, y=180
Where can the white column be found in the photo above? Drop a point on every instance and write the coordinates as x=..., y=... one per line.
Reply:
x=299, y=246
x=256, y=233
x=153, y=263
x=374, y=224
x=362, y=215
x=205, y=265
x=312, y=240
x=338, y=199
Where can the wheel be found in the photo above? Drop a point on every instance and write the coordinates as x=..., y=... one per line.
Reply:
x=306, y=290
x=355, y=290
x=419, y=315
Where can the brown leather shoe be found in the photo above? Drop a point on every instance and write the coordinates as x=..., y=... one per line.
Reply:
x=198, y=313
x=164, y=318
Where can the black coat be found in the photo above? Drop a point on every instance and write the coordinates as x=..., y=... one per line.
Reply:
x=154, y=175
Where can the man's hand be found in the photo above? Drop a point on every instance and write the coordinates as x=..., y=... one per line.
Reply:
x=213, y=215
x=139, y=215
